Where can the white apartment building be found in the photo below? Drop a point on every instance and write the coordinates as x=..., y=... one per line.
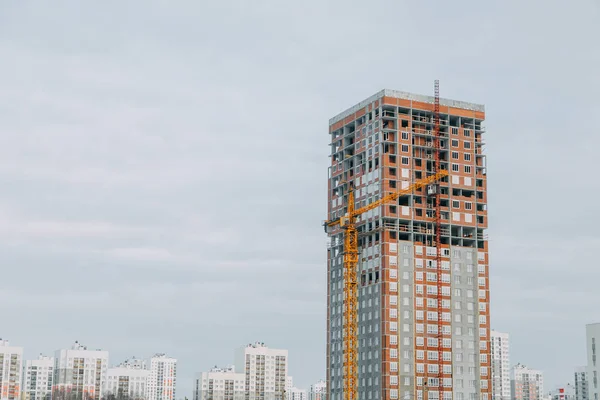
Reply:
x=128, y=380
x=592, y=332
x=220, y=384
x=566, y=392
x=37, y=378
x=265, y=371
x=526, y=383
x=79, y=373
x=11, y=359
x=582, y=385
x=500, y=352
x=163, y=378
x=318, y=391
x=296, y=394
x=292, y=392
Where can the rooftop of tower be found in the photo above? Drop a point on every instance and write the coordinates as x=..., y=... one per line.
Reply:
x=406, y=96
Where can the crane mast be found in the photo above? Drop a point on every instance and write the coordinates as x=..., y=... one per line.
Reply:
x=438, y=233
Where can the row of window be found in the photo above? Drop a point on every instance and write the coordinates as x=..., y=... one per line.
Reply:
x=432, y=264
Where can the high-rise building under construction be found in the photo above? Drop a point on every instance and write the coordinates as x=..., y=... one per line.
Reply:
x=423, y=330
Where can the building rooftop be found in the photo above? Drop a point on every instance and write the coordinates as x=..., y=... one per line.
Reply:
x=406, y=96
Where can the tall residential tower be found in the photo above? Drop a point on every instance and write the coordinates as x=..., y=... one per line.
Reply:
x=500, y=365
x=526, y=383
x=37, y=378
x=79, y=373
x=381, y=145
x=11, y=359
x=592, y=334
x=162, y=380
x=265, y=371
x=581, y=384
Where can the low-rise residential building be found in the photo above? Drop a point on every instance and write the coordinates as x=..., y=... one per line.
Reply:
x=318, y=391
x=566, y=392
x=128, y=380
x=220, y=384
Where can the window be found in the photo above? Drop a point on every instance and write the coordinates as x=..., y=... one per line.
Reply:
x=455, y=167
x=455, y=204
x=404, y=160
x=467, y=169
x=405, y=148
x=467, y=157
x=393, y=353
x=468, y=205
x=394, y=367
x=404, y=135
x=455, y=155
x=454, y=143
x=467, y=132
x=467, y=144
x=393, y=380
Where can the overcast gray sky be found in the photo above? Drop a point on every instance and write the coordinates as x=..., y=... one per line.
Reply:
x=163, y=166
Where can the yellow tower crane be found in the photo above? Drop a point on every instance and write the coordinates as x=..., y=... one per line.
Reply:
x=348, y=225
